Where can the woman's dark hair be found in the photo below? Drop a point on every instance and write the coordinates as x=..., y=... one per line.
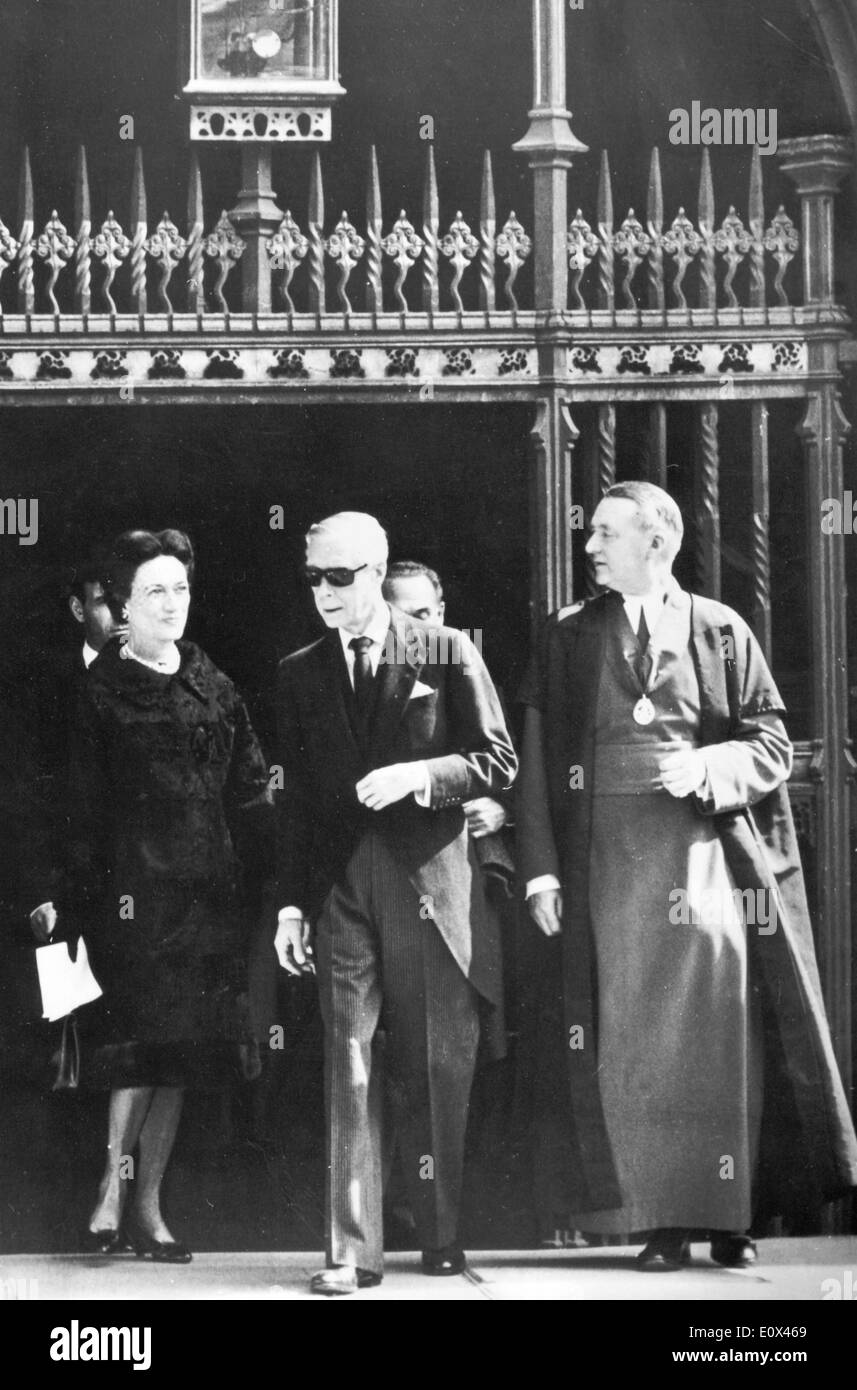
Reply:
x=131, y=550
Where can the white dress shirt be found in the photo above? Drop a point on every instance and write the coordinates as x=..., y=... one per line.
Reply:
x=377, y=631
x=653, y=604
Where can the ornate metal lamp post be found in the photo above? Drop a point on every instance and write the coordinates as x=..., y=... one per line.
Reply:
x=260, y=72
x=549, y=145
x=262, y=69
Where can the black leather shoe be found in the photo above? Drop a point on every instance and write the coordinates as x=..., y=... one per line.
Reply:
x=343, y=1279
x=449, y=1259
x=732, y=1251
x=666, y=1250
x=161, y=1252
x=105, y=1242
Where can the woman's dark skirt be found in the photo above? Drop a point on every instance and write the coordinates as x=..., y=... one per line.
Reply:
x=187, y=1027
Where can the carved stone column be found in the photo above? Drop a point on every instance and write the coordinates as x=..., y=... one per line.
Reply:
x=549, y=144
x=256, y=217
x=823, y=431
x=817, y=164
x=707, y=499
x=554, y=435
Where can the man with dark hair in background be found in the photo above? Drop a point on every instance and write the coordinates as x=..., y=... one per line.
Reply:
x=64, y=673
x=416, y=589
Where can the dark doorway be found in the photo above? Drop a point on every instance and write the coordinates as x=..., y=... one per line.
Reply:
x=448, y=483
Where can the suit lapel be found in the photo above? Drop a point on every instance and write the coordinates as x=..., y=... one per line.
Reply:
x=332, y=706
x=401, y=664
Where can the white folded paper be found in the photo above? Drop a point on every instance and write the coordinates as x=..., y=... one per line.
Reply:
x=65, y=984
x=419, y=690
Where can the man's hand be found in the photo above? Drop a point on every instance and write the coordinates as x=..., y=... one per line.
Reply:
x=683, y=773
x=485, y=816
x=291, y=944
x=42, y=922
x=546, y=911
x=387, y=785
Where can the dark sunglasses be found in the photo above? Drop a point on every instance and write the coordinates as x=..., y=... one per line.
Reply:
x=338, y=578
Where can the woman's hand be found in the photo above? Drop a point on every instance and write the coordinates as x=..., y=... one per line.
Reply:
x=292, y=943
x=42, y=922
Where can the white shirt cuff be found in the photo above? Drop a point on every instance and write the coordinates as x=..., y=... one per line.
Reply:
x=545, y=883
x=423, y=796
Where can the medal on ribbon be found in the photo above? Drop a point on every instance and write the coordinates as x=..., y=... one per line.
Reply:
x=643, y=711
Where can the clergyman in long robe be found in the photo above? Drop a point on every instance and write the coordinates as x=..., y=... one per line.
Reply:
x=684, y=1078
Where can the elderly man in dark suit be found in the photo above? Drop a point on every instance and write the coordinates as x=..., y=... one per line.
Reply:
x=386, y=729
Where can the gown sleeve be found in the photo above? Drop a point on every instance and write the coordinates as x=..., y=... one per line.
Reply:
x=747, y=767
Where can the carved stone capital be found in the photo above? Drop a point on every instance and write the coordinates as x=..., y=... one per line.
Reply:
x=550, y=138
x=817, y=164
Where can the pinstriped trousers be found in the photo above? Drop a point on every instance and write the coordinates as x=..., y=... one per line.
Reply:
x=381, y=965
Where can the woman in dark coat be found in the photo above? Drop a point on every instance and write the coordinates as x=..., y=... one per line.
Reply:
x=166, y=770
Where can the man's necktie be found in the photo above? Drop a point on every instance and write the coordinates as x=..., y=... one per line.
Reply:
x=363, y=678
x=644, y=660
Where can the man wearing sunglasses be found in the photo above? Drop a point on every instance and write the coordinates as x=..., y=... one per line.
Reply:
x=383, y=737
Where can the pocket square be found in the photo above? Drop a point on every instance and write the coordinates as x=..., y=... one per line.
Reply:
x=419, y=690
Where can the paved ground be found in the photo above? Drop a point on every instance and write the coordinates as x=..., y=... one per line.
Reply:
x=802, y=1269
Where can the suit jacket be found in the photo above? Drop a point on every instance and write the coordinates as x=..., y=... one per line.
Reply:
x=456, y=726
x=806, y=1116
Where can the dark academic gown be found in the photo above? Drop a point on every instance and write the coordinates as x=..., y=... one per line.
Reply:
x=804, y=1140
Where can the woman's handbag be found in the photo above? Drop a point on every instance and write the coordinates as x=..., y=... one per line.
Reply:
x=65, y=979
x=66, y=983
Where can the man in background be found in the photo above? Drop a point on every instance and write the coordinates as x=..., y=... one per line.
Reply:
x=416, y=589
x=59, y=688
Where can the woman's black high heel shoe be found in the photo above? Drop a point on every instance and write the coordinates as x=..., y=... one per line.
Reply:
x=105, y=1242
x=165, y=1252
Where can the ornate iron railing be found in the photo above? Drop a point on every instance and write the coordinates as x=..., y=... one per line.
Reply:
x=423, y=272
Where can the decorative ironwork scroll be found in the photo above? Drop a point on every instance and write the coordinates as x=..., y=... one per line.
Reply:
x=459, y=246
x=513, y=246
x=166, y=245
x=733, y=241
x=111, y=246
x=8, y=250
x=56, y=247
x=682, y=242
x=345, y=246
x=403, y=246
x=632, y=244
x=286, y=249
x=226, y=247
x=782, y=239
x=582, y=249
